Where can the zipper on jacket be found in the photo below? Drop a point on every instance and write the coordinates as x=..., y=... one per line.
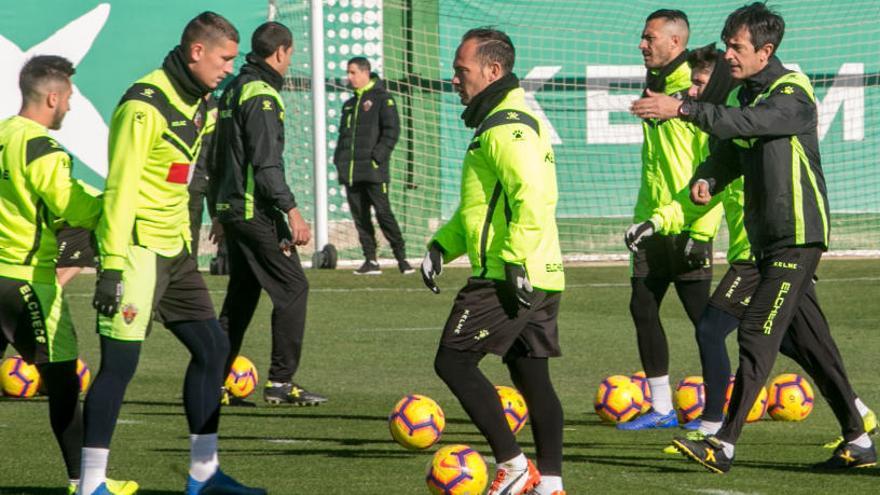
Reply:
x=484, y=237
x=353, y=136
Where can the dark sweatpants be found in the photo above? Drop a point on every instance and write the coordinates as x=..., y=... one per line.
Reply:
x=361, y=197
x=785, y=305
x=256, y=262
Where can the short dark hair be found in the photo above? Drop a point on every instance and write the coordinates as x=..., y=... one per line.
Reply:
x=703, y=58
x=669, y=15
x=494, y=46
x=361, y=62
x=269, y=37
x=208, y=27
x=42, y=69
x=764, y=25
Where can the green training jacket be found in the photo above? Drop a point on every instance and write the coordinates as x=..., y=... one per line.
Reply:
x=671, y=151
x=155, y=137
x=671, y=218
x=36, y=190
x=507, y=208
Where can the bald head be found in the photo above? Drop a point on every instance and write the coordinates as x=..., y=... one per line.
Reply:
x=664, y=38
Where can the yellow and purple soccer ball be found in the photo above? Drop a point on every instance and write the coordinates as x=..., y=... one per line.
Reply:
x=689, y=398
x=514, y=405
x=791, y=398
x=416, y=422
x=457, y=470
x=19, y=379
x=618, y=399
x=84, y=374
x=759, y=407
x=242, y=378
x=641, y=379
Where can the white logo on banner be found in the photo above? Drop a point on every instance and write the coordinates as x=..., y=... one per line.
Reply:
x=84, y=132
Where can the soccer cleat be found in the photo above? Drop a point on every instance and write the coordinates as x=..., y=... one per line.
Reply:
x=870, y=422
x=369, y=267
x=708, y=452
x=510, y=482
x=113, y=487
x=228, y=399
x=692, y=425
x=405, y=268
x=691, y=435
x=848, y=456
x=291, y=393
x=650, y=420
x=220, y=484
x=536, y=492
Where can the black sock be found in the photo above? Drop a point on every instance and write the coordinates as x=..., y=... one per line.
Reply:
x=712, y=330
x=119, y=361
x=644, y=305
x=532, y=377
x=208, y=346
x=65, y=415
x=460, y=370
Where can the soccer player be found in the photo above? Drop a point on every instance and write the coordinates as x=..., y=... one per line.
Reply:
x=769, y=133
x=143, y=242
x=35, y=190
x=258, y=211
x=368, y=130
x=712, y=83
x=506, y=224
x=671, y=150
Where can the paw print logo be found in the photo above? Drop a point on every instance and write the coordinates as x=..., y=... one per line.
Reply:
x=517, y=134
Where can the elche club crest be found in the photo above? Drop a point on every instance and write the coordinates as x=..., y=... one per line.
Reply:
x=367, y=105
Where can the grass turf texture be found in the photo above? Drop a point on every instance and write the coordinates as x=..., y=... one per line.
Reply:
x=370, y=340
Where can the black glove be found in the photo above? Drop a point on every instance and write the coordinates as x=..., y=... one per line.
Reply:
x=432, y=265
x=518, y=282
x=636, y=233
x=108, y=292
x=697, y=254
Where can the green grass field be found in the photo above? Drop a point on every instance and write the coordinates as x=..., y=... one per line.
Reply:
x=371, y=340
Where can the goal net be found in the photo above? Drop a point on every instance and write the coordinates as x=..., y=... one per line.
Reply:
x=581, y=68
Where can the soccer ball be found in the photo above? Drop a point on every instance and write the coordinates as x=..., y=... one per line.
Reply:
x=457, y=470
x=791, y=398
x=84, y=375
x=689, y=398
x=758, y=408
x=242, y=378
x=416, y=422
x=641, y=379
x=18, y=378
x=514, y=407
x=618, y=399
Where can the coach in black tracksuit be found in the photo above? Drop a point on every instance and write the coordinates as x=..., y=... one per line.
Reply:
x=255, y=206
x=368, y=131
x=770, y=137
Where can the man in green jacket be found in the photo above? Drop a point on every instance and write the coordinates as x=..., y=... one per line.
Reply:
x=36, y=194
x=506, y=224
x=144, y=245
x=671, y=150
x=768, y=134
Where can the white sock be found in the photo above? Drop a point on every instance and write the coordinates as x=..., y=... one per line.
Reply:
x=203, y=456
x=864, y=441
x=94, y=469
x=863, y=409
x=661, y=394
x=518, y=463
x=709, y=427
x=548, y=485
x=727, y=447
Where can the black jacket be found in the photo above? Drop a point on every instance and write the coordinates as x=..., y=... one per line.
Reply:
x=769, y=135
x=198, y=182
x=368, y=131
x=248, y=167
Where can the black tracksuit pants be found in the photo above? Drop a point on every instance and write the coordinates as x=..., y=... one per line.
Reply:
x=785, y=305
x=361, y=197
x=257, y=262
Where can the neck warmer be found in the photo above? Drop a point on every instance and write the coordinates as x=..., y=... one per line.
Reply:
x=190, y=88
x=489, y=98
x=656, y=79
x=720, y=83
x=264, y=71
